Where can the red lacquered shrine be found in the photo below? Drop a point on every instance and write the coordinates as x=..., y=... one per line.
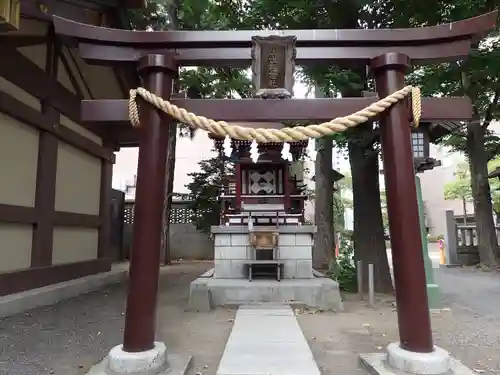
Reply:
x=262, y=232
x=269, y=191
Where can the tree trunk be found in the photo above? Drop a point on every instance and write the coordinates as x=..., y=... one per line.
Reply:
x=173, y=11
x=169, y=190
x=324, y=241
x=323, y=250
x=369, y=239
x=483, y=209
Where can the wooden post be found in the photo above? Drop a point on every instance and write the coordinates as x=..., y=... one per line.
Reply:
x=286, y=187
x=451, y=239
x=406, y=244
x=238, y=186
x=104, y=239
x=359, y=275
x=371, y=286
x=157, y=72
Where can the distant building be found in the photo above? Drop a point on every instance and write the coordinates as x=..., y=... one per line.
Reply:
x=433, y=183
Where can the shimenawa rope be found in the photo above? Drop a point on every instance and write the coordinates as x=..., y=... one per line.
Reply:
x=297, y=133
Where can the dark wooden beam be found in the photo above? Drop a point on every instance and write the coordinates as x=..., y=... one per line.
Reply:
x=73, y=219
x=71, y=76
x=14, y=40
x=19, y=281
x=32, y=215
x=22, y=112
x=241, y=57
x=22, y=72
x=43, y=234
x=45, y=194
x=433, y=109
x=464, y=29
x=135, y=4
x=80, y=73
x=104, y=240
x=17, y=214
x=71, y=10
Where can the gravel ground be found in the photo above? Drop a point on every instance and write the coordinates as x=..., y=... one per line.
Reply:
x=71, y=336
x=337, y=339
x=68, y=338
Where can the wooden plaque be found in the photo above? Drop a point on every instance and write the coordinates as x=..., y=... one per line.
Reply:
x=273, y=65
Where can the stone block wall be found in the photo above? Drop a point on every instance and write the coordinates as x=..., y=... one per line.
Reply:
x=233, y=248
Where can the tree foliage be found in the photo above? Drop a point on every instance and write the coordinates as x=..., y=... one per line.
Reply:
x=477, y=77
x=204, y=189
x=460, y=187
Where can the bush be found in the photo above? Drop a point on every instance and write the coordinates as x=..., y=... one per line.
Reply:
x=343, y=269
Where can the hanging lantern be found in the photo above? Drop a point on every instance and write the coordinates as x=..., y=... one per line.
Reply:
x=420, y=142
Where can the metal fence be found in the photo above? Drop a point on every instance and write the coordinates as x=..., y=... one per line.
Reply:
x=461, y=241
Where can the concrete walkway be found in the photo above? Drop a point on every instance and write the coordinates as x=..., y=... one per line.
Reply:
x=267, y=340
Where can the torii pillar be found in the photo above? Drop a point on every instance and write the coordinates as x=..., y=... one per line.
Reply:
x=415, y=353
x=140, y=353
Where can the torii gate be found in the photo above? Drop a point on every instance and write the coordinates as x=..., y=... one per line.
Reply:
x=388, y=53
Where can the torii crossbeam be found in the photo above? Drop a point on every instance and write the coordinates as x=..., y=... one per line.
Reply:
x=388, y=53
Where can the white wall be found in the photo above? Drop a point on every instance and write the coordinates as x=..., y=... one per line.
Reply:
x=188, y=154
x=433, y=183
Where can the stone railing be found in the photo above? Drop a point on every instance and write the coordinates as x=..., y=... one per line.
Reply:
x=461, y=242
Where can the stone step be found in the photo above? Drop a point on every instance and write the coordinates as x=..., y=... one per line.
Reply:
x=267, y=340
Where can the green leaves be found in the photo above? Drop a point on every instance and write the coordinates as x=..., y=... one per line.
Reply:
x=220, y=83
x=459, y=188
x=204, y=189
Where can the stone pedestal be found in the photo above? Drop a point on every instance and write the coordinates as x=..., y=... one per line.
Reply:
x=228, y=285
x=151, y=362
x=398, y=361
x=232, y=249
